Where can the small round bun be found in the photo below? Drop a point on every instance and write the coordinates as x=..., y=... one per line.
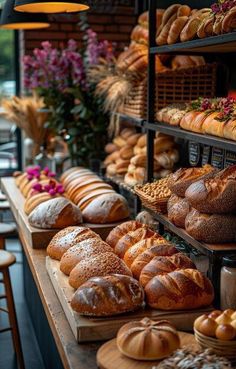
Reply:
x=225, y=332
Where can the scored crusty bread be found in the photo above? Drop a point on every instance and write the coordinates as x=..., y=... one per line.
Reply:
x=97, y=266
x=163, y=265
x=182, y=289
x=87, y=190
x=121, y=293
x=38, y=198
x=67, y=238
x=69, y=171
x=215, y=228
x=81, y=251
x=177, y=209
x=156, y=250
x=121, y=230
x=85, y=201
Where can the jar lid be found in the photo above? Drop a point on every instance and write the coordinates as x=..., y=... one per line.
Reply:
x=229, y=261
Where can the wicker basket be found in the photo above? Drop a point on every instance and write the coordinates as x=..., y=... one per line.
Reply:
x=157, y=205
x=220, y=348
x=174, y=86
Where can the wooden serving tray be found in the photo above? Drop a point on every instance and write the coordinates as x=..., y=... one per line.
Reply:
x=109, y=357
x=97, y=329
x=39, y=238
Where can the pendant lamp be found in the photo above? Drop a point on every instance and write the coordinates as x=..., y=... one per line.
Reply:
x=51, y=6
x=10, y=19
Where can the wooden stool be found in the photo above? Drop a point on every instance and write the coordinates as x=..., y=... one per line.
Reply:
x=6, y=230
x=6, y=260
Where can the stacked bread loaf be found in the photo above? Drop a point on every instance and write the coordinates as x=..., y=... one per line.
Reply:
x=208, y=116
x=129, y=155
x=97, y=200
x=203, y=203
x=181, y=23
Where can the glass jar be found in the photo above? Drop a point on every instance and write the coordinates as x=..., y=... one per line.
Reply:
x=228, y=283
x=45, y=160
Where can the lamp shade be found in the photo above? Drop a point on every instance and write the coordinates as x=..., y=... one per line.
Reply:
x=51, y=6
x=10, y=19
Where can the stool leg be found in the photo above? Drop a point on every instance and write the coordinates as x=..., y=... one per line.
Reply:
x=2, y=243
x=13, y=319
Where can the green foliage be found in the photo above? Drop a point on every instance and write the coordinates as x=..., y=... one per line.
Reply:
x=6, y=55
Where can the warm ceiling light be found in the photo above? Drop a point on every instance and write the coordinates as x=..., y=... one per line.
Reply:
x=47, y=6
x=10, y=19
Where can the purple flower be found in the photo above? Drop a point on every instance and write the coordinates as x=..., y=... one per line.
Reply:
x=52, y=192
x=37, y=187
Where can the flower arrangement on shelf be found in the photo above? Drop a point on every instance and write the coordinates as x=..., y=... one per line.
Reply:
x=61, y=77
x=226, y=106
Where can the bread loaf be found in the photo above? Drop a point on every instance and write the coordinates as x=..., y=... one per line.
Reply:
x=139, y=160
x=182, y=289
x=156, y=250
x=126, y=152
x=230, y=130
x=160, y=265
x=147, y=340
x=85, y=201
x=67, y=238
x=138, y=248
x=178, y=208
x=127, y=132
x=106, y=208
x=89, y=189
x=122, y=229
x=176, y=29
x=214, y=195
x=32, y=202
x=133, y=237
x=179, y=181
x=121, y=293
x=133, y=139
x=97, y=266
x=55, y=213
x=110, y=148
x=213, y=126
x=68, y=172
x=122, y=166
x=215, y=228
x=82, y=250
x=130, y=180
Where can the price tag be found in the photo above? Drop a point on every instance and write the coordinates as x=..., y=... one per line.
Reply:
x=206, y=155
x=230, y=159
x=217, y=158
x=194, y=153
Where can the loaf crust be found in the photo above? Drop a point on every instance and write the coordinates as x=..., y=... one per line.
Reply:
x=98, y=266
x=122, y=229
x=109, y=295
x=182, y=289
x=178, y=208
x=32, y=202
x=67, y=238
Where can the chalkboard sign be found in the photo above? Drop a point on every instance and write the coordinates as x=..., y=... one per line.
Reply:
x=206, y=153
x=230, y=158
x=217, y=158
x=194, y=153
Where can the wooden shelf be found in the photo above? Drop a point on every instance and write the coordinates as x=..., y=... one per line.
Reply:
x=191, y=136
x=207, y=249
x=215, y=44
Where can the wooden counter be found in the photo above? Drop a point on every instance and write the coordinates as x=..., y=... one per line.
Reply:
x=72, y=354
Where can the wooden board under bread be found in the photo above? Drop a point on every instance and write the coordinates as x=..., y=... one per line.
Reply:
x=109, y=357
x=94, y=329
x=39, y=238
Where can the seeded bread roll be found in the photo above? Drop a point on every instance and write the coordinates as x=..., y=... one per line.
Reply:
x=178, y=208
x=109, y=295
x=182, y=289
x=121, y=230
x=82, y=250
x=156, y=250
x=67, y=238
x=97, y=266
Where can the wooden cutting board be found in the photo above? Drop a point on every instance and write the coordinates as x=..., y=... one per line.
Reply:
x=109, y=357
x=98, y=329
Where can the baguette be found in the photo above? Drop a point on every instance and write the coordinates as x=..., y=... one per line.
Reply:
x=176, y=29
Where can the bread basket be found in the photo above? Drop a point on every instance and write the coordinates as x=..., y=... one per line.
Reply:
x=156, y=204
x=220, y=347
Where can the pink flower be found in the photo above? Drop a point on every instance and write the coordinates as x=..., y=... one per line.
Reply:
x=52, y=192
x=37, y=187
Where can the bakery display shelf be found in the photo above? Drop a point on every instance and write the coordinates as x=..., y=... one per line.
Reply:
x=207, y=249
x=138, y=122
x=215, y=44
x=119, y=181
x=192, y=136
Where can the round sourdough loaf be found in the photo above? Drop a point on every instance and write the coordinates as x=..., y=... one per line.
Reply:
x=67, y=238
x=120, y=294
x=97, y=266
x=107, y=208
x=81, y=251
x=55, y=213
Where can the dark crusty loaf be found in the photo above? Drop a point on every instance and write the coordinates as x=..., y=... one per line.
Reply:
x=179, y=181
x=97, y=266
x=216, y=228
x=163, y=265
x=82, y=250
x=67, y=238
x=133, y=237
x=177, y=209
x=143, y=259
x=108, y=295
x=214, y=195
x=182, y=289
x=121, y=230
